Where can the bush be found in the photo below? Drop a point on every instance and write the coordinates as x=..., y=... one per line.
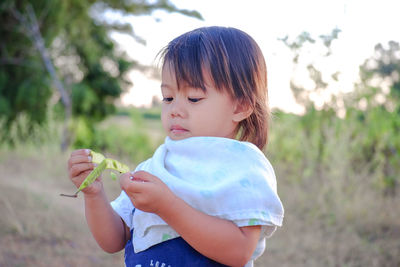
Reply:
x=129, y=139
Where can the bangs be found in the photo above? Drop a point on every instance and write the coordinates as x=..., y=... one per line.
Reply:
x=229, y=57
x=186, y=56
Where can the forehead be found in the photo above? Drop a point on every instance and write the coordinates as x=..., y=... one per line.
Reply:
x=201, y=80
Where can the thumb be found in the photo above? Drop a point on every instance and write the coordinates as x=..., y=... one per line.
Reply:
x=142, y=176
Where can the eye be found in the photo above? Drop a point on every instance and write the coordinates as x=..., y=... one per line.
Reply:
x=167, y=99
x=194, y=100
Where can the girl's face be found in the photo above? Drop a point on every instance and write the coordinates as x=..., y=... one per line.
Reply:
x=191, y=112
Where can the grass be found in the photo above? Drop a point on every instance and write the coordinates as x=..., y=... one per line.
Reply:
x=327, y=225
x=335, y=213
x=333, y=218
x=37, y=226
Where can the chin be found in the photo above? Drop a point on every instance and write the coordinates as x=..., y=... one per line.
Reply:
x=178, y=137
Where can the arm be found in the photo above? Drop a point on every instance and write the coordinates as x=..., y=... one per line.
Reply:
x=215, y=238
x=105, y=224
x=218, y=239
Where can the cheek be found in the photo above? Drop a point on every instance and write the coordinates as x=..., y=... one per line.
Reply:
x=207, y=121
x=164, y=120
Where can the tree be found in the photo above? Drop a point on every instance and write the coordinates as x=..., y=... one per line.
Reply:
x=380, y=78
x=316, y=117
x=87, y=62
x=307, y=53
x=30, y=27
x=377, y=95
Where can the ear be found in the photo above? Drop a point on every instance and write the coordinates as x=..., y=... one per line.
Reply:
x=241, y=111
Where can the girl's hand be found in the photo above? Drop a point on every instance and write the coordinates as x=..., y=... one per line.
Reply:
x=147, y=192
x=79, y=166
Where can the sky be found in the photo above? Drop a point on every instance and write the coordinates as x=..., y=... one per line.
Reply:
x=363, y=24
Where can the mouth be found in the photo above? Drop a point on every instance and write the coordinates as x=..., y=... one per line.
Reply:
x=177, y=129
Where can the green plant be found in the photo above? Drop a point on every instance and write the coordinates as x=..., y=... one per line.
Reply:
x=103, y=164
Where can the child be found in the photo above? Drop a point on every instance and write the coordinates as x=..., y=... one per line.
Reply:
x=204, y=198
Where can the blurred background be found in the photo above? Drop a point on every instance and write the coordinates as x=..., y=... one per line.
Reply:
x=85, y=73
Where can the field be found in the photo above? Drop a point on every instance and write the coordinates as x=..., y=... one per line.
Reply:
x=37, y=226
x=331, y=218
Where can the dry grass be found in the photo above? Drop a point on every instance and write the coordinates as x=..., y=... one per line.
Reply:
x=335, y=218
x=325, y=226
x=335, y=215
x=37, y=226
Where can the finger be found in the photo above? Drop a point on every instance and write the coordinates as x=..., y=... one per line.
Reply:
x=132, y=186
x=83, y=152
x=128, y=177
x=79, y=159
x=78, y=152
x=76, y=169
x=125, y=181
x=143, y=176
x=79, y=178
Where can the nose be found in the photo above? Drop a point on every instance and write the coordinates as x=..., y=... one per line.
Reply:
x=177, y=108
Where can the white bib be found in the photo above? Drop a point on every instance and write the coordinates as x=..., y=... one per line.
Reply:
x=221, y=177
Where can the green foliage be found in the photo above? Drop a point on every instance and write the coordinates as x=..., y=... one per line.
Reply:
x=320, y=145
x=371, y=133
x=124, y=143
x=302, y=58
x=302, y=141
x=24, y=84
x=379, y=89
x=380, y=75
x=76, y=36
x=131, y=140
x=378, y=144
x=84, y=133
x=153, y=113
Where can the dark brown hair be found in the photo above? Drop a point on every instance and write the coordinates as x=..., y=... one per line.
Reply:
x=234, y=62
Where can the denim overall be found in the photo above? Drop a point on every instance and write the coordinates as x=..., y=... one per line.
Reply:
x=171, y=253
